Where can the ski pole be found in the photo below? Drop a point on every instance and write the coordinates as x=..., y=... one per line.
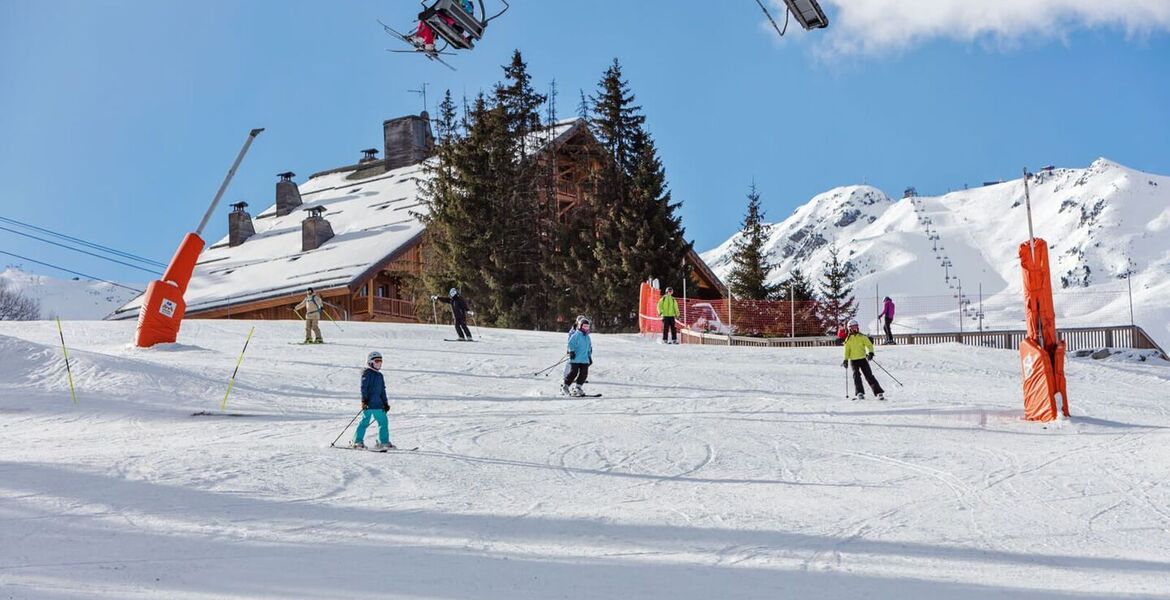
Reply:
x=326, y=313
x=346, y=427
x=232, y=380
x=551, y=367
x=434, y=312
x=68, y=370
x=846, y=382
x=476, y=324
x=887, y=372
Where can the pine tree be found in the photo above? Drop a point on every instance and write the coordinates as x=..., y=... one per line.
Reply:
x=797, y=287
x=638, y=235
x=838, y=304
x=749, y=274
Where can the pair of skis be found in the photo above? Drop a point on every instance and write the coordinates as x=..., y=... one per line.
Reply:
x=418, y=47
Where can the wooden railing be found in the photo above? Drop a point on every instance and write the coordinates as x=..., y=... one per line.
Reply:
x=1075, y=338
x=394, y=307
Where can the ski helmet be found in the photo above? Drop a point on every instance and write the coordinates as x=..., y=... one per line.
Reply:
x=853, y=324
x=452, y=292
x=583, y=324
x=669, y=290
x=373, y=356
x=581, y=318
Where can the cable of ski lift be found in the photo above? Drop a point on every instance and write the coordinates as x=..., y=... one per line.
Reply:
x=85, y=243
x=787, y=13
x=133, y=266
x=52, y=266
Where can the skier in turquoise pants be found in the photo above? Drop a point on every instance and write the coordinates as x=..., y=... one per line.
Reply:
x=375, y=405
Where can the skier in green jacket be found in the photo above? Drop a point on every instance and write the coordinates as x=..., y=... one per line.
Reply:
x=668, y=310
x=858, y=353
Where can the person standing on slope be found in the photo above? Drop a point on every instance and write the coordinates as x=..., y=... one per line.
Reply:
x=580, y=357
x=312, y=306
x=668, y=310
x=888, y=314
x=858, y=353
x=375, y=405
x=459, y=312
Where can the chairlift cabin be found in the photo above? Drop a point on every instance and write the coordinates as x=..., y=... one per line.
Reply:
x=456, y=26
x=808, y=13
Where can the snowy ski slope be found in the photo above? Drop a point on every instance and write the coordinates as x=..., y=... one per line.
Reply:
x=703, y=472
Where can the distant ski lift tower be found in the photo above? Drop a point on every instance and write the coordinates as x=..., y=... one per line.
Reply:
x=808, y=13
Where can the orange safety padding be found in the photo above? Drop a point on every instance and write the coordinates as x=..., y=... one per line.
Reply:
x=183, y=262
x=1038, y=389
x=1042, y=352
x=163, y=307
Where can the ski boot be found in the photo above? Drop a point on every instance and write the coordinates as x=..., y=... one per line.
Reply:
x=577, y=391
x=357, y=445
x=859, y=396
x=380, y=447
x=881, y=397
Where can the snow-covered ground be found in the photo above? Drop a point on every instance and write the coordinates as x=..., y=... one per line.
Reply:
x=703, y=472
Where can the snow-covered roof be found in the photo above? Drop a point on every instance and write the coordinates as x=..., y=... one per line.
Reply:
x=371, y=219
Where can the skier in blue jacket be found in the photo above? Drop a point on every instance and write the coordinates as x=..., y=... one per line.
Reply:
x=580, y=357
x=375, y=405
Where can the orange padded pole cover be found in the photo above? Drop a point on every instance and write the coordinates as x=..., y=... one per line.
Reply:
x=163, y=306
x=1041, y=352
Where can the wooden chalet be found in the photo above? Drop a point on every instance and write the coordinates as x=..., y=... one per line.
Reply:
x=354, y=235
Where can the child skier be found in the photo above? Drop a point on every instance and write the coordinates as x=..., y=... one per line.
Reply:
x=572, y=330
x=580, y=357
x=858, y=352
x=374, y=405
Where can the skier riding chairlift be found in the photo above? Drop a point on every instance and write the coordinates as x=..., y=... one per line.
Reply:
x=455, y=21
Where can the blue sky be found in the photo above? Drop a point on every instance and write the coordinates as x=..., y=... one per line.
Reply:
x=120, y=118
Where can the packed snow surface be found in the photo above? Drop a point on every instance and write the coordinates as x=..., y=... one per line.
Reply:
x=703, y=472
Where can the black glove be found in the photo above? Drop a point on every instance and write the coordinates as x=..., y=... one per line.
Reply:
x=845, y=364
x=385, y=409
x=869, y=356
x=365, y=405
x=591, y=361
x=572, y=355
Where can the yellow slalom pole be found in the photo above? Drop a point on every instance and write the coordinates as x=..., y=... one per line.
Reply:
x=68, y=371
x=239, y=362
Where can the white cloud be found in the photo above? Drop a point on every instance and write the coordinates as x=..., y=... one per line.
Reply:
x=881, y=26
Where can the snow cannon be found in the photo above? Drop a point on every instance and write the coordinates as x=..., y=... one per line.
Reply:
x=1042, y=353
x=163, y=306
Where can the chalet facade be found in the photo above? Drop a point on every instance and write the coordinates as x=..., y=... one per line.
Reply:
x=354, y=235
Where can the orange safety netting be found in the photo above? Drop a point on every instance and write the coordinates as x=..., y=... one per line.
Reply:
x=739, y=317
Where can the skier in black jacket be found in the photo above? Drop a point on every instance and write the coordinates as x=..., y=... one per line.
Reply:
x=459, y=312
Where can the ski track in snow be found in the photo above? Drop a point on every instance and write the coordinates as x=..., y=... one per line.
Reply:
x=702, y=472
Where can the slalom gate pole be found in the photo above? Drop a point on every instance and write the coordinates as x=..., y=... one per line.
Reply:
x=887, y=373
x=232, y=380
x=546, y=370
x=331, y=444
x=68, y=370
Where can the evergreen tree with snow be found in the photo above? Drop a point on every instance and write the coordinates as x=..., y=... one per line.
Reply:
x=797, y=287
x=838, y=304
x=748, y=278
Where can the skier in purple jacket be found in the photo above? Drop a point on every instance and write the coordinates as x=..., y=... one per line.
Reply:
x=888, y=314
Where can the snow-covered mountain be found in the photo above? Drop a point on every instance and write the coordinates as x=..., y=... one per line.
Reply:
x=1095, y=219
x=65, y=298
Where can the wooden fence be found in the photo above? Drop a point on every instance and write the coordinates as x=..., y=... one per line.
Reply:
x=1076, y=338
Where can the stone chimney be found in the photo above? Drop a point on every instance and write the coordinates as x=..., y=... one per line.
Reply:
x=288, y=197
x=369, y=155
x=315, y=230
x=408, y=140
x=239, y=225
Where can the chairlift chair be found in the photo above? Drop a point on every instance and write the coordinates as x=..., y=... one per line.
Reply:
x=466, y=29
x=808, y=13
